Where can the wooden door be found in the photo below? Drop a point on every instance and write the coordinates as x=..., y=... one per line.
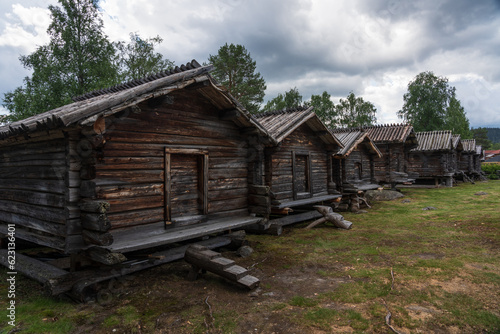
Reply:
x=301, y=170
x=186, y=184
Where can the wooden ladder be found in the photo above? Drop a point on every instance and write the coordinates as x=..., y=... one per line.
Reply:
x=203, y=259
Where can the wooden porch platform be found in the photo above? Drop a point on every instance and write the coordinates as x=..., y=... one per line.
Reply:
x=152, y=235
x=306, y=201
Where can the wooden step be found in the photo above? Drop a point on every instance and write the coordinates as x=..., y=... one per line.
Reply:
x=222, y=263
x=249, y=281
x=235, y=272
x=202, y=258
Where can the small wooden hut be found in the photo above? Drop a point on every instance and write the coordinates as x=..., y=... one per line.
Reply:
x=394, y=142
x=435, y=157
x=465, y=159
x=353, y=166
x=147, y=163
x=297, y=169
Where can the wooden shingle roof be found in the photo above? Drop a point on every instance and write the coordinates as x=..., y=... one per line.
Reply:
x=351, y=138
x=391, y=133
x=434, y=141
x=91, y=106
x=281, y=123
x=469, y=145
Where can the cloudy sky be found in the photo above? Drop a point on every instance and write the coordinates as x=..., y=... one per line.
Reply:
x=371, y=47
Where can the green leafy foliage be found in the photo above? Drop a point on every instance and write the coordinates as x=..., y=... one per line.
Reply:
x=324, y=108
x=456, y=119
x=290, y=99
x=354, y=111
x=138, y=58
x=235, y=69
x=430, y=104
x=491, y=169
x=79, y=58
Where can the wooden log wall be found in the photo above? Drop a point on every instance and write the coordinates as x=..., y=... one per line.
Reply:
x=429, y=164
x=359, y=166
x=302, y=140
x=466, y=162
x=395, y=158
x=259, y=200
x=33, y=192
x=130, y=174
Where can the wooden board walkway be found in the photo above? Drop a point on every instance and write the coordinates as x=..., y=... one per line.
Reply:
x=156, y=235
x=306, y=201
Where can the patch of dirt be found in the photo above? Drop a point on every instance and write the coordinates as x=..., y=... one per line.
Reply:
x=420, y=312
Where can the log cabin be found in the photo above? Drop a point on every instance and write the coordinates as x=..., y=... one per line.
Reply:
x=466, y=165
x=394, y=142
x=353, y=167
x=297, y=168
x=147, y=163
x=435, y=157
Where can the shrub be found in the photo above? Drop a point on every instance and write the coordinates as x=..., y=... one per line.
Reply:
x=491, y=169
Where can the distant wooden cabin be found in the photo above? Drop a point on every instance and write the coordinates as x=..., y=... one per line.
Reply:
x=435, y=157
x=297, y=169
x=353, y=166
x=466, y=160
x=147, y=163
x=394, y=141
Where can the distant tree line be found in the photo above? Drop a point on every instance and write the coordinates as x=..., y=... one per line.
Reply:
x=493, y=134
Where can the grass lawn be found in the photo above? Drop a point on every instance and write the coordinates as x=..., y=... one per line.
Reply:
x=436, y=271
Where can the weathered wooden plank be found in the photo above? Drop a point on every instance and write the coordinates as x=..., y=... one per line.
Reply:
x=135, y=176
x=31, y=197
x=151, y=138
x=231, y=183
x=138, y=217
x=233, y=204
x=131, y=239
x=40, y=143
x=130, y=190
x=56, y=215
x=34, y=172
x=226, y=193
x=136, y=203
x=37, y=238
x=295, y=218
x=22, y=220
x=130, y=163
x=215, y=174
x=44, y=273
x=306, y=201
